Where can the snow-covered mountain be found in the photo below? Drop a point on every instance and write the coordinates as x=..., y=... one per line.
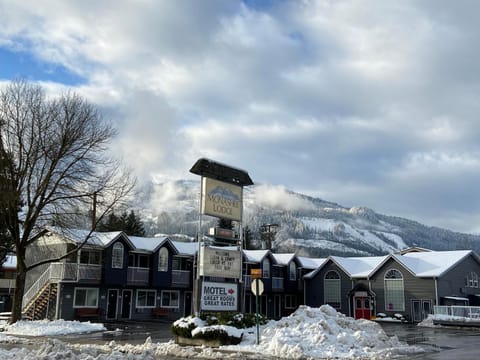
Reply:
x=307, y=226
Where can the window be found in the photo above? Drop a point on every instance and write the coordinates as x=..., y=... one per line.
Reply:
x=143, y=261
x=332, y=289
x=472, y=280
x=290, y=302
x=394, y=297
x=163, y=259
x=170, y=299
x=146, y=298
x=292, y=271
x=266, y=268
x=90, y=257
x=117, y=256
x=85, y=297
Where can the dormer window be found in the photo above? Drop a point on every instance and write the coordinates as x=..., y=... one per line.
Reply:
x=117, y=256
x=163, y=259
x=292, y=271
x=266, y=268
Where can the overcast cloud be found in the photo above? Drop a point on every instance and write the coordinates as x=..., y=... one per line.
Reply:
x=363, y=103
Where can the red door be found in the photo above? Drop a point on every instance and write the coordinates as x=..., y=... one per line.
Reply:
x=362, y=307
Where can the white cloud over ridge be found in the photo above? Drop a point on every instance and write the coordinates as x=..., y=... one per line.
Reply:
x=361, y=102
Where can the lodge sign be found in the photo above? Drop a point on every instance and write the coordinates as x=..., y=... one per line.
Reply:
x=221, y=199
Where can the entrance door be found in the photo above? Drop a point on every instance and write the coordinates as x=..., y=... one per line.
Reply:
x=112, y=304
x=421, y=309
x=277, y=306
x=126, y=303
x=188, y=303
x=362, y=308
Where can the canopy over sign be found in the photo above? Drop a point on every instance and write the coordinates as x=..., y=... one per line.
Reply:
x=215, y=170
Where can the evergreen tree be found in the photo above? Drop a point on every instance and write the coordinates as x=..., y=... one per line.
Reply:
x=133, y=225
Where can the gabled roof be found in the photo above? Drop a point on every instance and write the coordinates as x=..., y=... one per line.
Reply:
x=354, y=267
x=358, y=267
x=255, y=256
x=432, y=263
x=310, y=263
x=185, y=248
x=103, y=239
x=283, y=259
x=147, y=244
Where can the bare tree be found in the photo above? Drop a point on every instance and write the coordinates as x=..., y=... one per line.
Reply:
x=59, y=164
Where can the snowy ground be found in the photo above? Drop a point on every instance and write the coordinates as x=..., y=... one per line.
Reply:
x=309, y=333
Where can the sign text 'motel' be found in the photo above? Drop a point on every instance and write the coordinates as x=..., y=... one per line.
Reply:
x=219, y=296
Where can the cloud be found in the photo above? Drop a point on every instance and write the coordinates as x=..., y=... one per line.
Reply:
x=360, y=102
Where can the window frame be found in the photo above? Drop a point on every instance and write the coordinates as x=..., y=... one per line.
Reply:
x=86, y=289
x=163, y=255
x=146, y=291
x=332, y=289
x=266, y=268
x=292, y=271
x=392, y=289
x=290, y=301
x=170, y=292
x=118, y=254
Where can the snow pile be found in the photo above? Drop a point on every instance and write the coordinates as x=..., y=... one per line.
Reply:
x=49, y=328
x=307, y=333
x=324, y=333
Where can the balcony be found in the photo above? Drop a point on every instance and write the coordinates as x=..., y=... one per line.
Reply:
x=277, y=283
x=138, y=275
x=7, y=283
x=181, y=278
x=75, y=272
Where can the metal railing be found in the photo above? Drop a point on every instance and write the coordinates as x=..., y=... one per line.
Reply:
x=57, y=272
x=7, y=284
x=181, y=277
x=138, y=275
x=456, y=312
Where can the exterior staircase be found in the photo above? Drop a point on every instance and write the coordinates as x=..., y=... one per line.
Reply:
x=43, y=305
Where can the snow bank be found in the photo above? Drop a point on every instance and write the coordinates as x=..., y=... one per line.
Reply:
x=324, y=333
x=307, y=333
x=49, y=328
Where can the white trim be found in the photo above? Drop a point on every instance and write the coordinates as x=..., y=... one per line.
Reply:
x=87, y=289
x=146, y=298
x=170, y=292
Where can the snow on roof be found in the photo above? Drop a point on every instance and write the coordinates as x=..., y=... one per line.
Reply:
x=432, y=263
x=358, y=267
x=283, y=259
x=255, y=256
x=10, y=262
x=149, y=244
x=311, y=263
x=185, y=248
x=96, y=238
x=459, y=298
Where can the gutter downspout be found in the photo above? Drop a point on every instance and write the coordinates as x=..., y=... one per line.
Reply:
x=436, y=292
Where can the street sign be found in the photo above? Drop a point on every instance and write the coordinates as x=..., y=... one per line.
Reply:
x=257, y=287
x=256, y=273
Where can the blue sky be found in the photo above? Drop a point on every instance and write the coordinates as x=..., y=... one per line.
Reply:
x=363, y=103
x=23, y=64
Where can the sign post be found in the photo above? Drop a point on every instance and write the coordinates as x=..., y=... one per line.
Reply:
x=257, y=290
